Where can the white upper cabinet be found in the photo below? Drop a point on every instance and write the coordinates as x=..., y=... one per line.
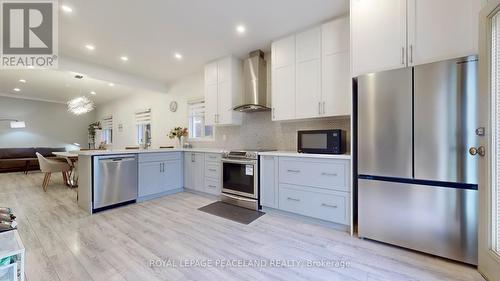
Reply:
x=211, y=73
x=336, y=79
x=283, y=78
x=440, y=30
x=311, y=73
x=378, y=34
x=308, y=74
x=436, y=30
x=223, y=90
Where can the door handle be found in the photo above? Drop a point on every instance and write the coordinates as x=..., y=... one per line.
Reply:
x=411, y=54
x=329, y=206
x=481, y=151
x=403, y=55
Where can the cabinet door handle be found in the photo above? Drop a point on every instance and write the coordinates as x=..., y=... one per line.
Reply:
x=411, y=54
x=212, y=170
x=323, y=107
x=319, y=108
x=403, y=55
x=329, y=206
x=293, y=171
x=293, y=199
x=212, y=186
x=329, y=174
x=274, y=114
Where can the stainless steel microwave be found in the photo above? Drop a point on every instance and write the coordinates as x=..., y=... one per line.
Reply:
x=321, y=141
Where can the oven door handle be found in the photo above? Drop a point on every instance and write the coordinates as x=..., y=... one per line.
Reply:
x=246, y=162
x=238, y=197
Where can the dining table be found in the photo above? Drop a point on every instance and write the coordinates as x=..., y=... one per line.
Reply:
x=72, y=159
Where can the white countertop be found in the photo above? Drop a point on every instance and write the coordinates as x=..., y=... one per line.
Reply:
x=306, y=155
x=151, y=150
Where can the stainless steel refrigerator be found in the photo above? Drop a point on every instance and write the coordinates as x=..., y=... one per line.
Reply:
x=417, y=180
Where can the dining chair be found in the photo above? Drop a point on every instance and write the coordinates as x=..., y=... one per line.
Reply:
x=49, y=166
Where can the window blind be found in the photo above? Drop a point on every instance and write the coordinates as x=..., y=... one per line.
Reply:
x=143, y=117
x=495, y=108
x=107, y=123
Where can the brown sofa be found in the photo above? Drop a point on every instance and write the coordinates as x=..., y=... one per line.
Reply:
x=23, y=159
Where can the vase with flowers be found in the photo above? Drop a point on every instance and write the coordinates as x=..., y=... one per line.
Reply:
x=179, y=133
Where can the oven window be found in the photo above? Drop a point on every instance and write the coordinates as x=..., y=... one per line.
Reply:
x=315, y=141
x=239, y=177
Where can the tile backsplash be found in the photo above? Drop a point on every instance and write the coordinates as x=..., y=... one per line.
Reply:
x=258, y=131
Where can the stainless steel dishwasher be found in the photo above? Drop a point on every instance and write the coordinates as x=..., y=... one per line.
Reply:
x=115, y=180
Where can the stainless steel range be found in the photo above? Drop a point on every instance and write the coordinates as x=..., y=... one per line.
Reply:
x=240, y=178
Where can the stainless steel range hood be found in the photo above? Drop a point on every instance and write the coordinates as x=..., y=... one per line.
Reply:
x=255, y=84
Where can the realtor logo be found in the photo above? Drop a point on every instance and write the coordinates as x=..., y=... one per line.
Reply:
x=29, y=34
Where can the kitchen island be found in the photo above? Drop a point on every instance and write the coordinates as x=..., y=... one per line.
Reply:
x=110, y=178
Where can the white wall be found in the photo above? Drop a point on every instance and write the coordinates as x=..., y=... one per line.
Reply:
x=47, y=124
x=162, y=118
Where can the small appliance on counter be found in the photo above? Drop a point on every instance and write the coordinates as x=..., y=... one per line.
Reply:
x=321, y=141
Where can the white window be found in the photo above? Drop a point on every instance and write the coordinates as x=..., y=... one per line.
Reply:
x=107, y=130
x=197, y=128
x=143, y=127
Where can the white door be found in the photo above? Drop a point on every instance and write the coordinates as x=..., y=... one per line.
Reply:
x=269, y=181
x=440, y=30
x=199, y=171
x=211, y=73
x=224, y=105
x=211, y=103
x=188, y=170
x=172, y=175
x=224, y=70
x=283, y=79
x=378, y=33
x=283, y=93
x=150, y=178
x=489, y=167
x=308, y=73
x=335, y=72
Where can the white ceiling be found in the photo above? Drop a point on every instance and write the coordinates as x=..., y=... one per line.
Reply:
x=149, y=32
x=59, y=86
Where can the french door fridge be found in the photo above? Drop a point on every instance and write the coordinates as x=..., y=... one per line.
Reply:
x=417, y=180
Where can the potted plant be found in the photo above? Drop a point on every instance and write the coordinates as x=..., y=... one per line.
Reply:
x=92, y=132
x=179, y=133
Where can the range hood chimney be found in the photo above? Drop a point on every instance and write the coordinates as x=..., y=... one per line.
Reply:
x=255, y=84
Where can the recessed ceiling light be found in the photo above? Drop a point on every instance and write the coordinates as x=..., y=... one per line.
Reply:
x=90, y=47
x=66, y=9
x=16, y=90
x=93, y=93
x=22, y=80
x=124, y=58
x=111, y=84
x=241, y=29
x=178, y=56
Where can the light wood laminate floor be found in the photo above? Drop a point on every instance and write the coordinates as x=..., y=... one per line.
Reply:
x=64, y=243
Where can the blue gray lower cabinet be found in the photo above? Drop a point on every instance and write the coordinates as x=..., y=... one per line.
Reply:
x=313, y=187
x=160, y=174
